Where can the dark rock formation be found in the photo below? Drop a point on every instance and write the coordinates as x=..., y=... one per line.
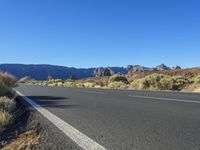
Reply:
x=100, y=72
x=176, y=68
x=162, y=67
x=137, y=68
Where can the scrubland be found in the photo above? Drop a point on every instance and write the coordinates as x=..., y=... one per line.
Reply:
x=174, y=80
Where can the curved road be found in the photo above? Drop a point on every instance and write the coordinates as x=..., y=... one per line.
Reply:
x=125, y=120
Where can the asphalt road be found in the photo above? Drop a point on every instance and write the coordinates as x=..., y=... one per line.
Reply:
x=125, y=120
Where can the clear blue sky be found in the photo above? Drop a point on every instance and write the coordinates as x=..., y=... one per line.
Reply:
x=90, y=33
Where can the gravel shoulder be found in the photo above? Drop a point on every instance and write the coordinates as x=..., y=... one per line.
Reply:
x=44, y=135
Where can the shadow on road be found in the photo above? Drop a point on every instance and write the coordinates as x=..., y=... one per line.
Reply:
x=52, y=102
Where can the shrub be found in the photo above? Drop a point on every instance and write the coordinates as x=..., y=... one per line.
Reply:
x=4, y=119
x=4, y=90
x=89, y=85
x=6, y=104
x=118, y=78
x=8, y=79
x=165, y=83
x=6, y=107
x=153, y=81
x=118, y=85
x=197, y=79
x=80, y=84
x=139, y=84
x=52, y=84
x=58, y=80
x=178, y=82
x=160, y=82
x=69, y=84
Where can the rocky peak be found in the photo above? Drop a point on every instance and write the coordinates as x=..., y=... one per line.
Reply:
x=100, y=72
x=162, y=67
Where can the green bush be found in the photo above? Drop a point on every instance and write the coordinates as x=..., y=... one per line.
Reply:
x=160, y=82
x=69, y=84
x=178, y=82
x=117, y=85
x=165, y=83
x=79, y=84
x=118, y=78
x=139, y=84
x=89, y=84
x=151, y=82
x=52, y=84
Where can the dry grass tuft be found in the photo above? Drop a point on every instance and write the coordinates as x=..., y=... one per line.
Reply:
x=5, y=118
x=6, y=107
x=7, y=104
x=24, y=141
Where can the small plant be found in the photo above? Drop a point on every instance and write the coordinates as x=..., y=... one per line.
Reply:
x=117, y=85
x=118, y=78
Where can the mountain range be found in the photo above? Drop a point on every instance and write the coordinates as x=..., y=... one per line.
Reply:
x=41, y=72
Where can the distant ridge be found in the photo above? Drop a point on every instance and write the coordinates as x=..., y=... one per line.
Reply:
x=42, y=71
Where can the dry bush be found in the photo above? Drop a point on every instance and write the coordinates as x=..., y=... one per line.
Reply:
x=139, y=84
x=5, y=118
x=24, y=141
x=117, y=85
x=178, y=82
x=6, y=107
x=6, y=104
x=69, y=84
x=8, y=79
x=160, y=82
x=89, y=85
x=118, y=78
x=4, y=90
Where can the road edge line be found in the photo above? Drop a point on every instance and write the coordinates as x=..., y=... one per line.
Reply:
x=79, y=138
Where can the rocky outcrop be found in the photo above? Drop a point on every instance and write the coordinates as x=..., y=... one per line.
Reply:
x=162, y=67
x=176, y=68
x=100, y=72
x=137, y=68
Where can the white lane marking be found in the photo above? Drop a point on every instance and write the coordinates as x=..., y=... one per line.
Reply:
x=79, y=138
x=165, y=99
x=94, y=92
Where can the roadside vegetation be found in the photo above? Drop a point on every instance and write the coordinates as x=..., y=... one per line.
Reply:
x=8, y=113
x=7, y=102
x=178, y=80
